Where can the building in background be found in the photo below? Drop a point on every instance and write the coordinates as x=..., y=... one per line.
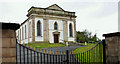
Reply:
x=51, y=24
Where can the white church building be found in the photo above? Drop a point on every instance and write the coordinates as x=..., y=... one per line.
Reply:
x=51, y=24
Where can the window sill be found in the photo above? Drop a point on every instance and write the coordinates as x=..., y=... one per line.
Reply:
x=71, y=37
x=56, y=29
x=39, y=36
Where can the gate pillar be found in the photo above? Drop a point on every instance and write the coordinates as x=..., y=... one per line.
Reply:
x=8, y=43
x=112, y=48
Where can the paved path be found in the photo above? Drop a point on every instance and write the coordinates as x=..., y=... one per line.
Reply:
x=70, y=48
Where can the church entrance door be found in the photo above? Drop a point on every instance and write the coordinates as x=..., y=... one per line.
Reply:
x=55, y=38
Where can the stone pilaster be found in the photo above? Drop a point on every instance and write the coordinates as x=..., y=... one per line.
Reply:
x=8, y=44
x=33, y=29
x=74, y=30
x=112, y=41
x=28, y=30
x=65, y=30
x=46, y=30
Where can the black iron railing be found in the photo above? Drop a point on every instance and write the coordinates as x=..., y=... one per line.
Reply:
x=29, y=55
x=92, y=56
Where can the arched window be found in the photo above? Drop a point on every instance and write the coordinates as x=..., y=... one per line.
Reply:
x=55, y=26
x=25, y=32
x=18, y=34
x=70, y=30
x=38, y=28
x=22, y=34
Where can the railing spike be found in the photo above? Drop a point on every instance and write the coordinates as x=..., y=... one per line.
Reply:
x=44, y=51
x=50, y=51
x=34, y=49
x=27, y=45
x=41, y=50
x=61, y=52
x=56, y=52
x=53, y=51
x=37, y=49
x=47, y=51
x=20, y=41
x=23, y=43
x=64, y=52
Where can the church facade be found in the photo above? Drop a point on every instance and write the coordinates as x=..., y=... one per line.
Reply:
x=51, y=24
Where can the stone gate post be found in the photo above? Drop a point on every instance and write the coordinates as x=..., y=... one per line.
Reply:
x=112, y=41
x=8, y=37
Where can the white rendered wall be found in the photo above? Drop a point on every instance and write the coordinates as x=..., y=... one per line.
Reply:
x=71, y=38
x=51, y=30
x=39, y=38
x=23, y=39
x=25, y=36
x=30, y=31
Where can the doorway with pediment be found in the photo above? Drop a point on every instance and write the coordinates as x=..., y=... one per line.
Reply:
x=56, y=36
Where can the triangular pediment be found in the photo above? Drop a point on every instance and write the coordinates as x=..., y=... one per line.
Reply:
x=55, y=7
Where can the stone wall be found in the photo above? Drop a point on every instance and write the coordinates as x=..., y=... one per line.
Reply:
x=8, y=46
x=33, y=29
x=8, y=37
x=112, y=41
x=46, y=30
x=74, y=30
x=65, y=30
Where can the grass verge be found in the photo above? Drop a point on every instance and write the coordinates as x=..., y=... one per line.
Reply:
x=45, y=45
x=95, y=55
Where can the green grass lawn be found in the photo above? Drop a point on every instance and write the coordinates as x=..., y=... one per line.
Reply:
x=45, y=45
x=83, y=49
x=94, y=55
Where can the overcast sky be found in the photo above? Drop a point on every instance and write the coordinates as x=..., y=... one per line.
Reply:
x=97, y=16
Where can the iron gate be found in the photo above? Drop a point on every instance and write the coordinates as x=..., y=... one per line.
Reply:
x=28, y=55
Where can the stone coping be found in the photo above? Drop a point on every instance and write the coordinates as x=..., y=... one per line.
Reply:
x=13, y=26
x=111, y=34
